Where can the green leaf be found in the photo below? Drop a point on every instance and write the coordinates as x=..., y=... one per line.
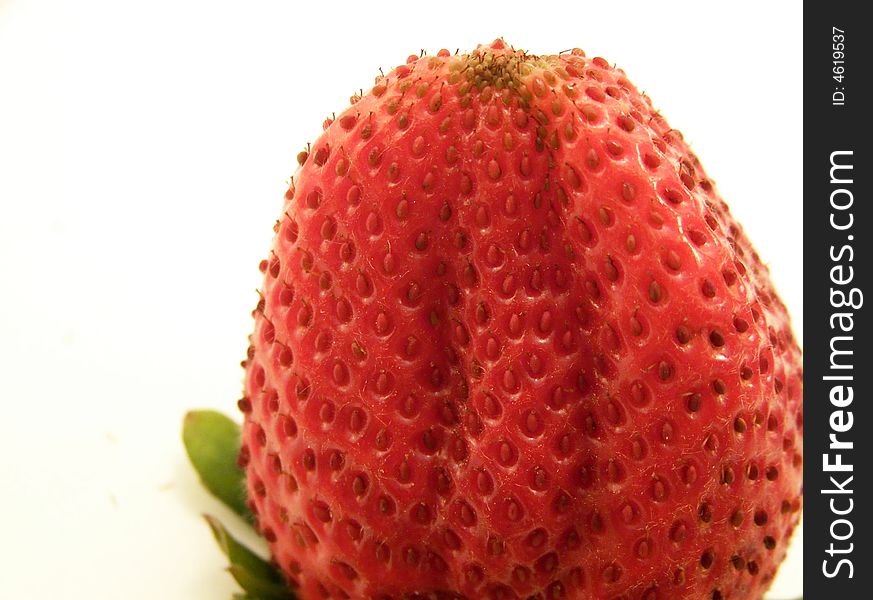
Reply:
x=260, y=579
x=240, y=556
x=258, y=588
x=212, y=441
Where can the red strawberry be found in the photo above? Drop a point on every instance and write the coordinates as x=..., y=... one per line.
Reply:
x=513, y=345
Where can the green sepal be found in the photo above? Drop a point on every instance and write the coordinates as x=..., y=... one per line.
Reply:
x=212, y=442
x=240, y=556
x=260, y=579
x=259, y=588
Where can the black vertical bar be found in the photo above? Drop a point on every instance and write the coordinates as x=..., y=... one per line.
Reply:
x=837, y=259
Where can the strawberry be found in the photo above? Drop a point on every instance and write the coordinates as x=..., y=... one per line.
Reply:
x=512, y=344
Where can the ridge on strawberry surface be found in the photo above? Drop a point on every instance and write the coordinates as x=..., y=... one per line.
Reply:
x=512, y=344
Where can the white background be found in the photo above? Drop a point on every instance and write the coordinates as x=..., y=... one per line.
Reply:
x=144, y=150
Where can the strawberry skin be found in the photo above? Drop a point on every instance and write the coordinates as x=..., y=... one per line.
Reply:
x=511, y=344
